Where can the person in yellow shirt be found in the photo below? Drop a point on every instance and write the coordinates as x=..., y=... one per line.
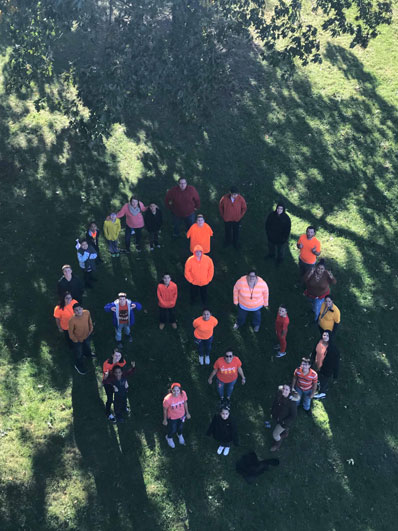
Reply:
x=329, y=316
x=199, y=234
x=112, y=229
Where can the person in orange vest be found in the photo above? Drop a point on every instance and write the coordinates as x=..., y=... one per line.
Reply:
x=250, y=295
x=232, y=208
x=199, y=271
x=199, y=234
x=167, y=297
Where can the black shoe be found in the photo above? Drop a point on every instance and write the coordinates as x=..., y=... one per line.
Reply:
x=80, y=370
x=269, y=256
x=308, y=412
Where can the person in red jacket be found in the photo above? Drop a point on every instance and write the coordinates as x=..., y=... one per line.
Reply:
x=281, y=326
x=182, y=200
x=232, y=208
x=167, y=297
x=199, y=271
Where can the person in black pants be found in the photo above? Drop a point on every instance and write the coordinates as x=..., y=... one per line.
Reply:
x=118, y=379
x=70, y=283
x=223, y=429
x=153, y=222
x=116, y=359
x=92, y=237
x=277, y=228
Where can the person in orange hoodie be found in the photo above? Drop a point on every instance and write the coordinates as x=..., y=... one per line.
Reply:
x=167, y=297
x=203, y=333
x=199, y=234
x=199, y=271
x=232, y=208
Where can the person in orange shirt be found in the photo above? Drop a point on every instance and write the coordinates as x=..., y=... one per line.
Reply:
x=203, y=333
x=199, y=234
x=226, y=370
x=167, y=297
x=63, y=313
x=232, y=208
x=199, y=272
x=310, y=248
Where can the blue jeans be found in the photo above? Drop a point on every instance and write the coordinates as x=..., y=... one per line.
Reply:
x=119, y=330
x=204, y=346
x=316, y=306
x=188, y=221
x=175, y=426
x=227, y=387
x=242, y=314
x=306, y=396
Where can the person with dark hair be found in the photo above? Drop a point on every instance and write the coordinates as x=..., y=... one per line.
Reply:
x=112, y=228
x=305, y=382
x=223, y=429
x=326, y=358
x=118, y=379
x=80, y=330
x=250, y=295
x=167, y=293
x=70, y=283
x=153, y=223
x=317, y=285
x=63, y=312
x=183, y=199
x=310, y=248
x=86, y=256
x=134, y=221
x=200, y=233
x=92, y=237
x=232, y=208
x=175, y=412
x=199, y=272
x=123, y=315
x=329, y=316
x=281, y=326
x=277, y=228
x=226, y=370
x=204, y=326
x=284, y=413
x=108, y=365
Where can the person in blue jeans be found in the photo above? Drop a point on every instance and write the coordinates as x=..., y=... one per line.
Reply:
x=226, y=370
x=305, y=382
x=123, y=315
x=203, y=333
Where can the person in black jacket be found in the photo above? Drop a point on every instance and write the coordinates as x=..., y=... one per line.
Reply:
x=71, y=284
x=328, y=368
x=284, y=412
x=118, y=379
x=92, y=237
x=223, y=429
x=153, y=221
x=277, y=227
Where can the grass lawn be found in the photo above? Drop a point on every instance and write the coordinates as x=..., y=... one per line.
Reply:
x=326, y=143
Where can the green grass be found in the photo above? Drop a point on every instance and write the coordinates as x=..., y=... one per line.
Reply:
x=325, y=142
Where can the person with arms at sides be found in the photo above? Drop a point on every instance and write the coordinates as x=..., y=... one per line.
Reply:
x=62, y=314
x=70, y=283
x=226, y=370
x=123, y=315
x=317, y=285
x=329, y=316
x=134, y=221
x=326, y=357
x=112, y=228
x=223, y=429
x=284, y=413
x=167, y=293
x=310, y=249
x=153, y=222
x=86, y=256
x=250, y=295
x=277, y=228
x=115, y=359
x=118, y=379
x=203, y=333
x=305, y=382
x=175, y=412
x=199, y=272
x=232, y=208
x=281, y=326
x=200, y=233
x=182, y=200
x=92, y=237
x=80, y=330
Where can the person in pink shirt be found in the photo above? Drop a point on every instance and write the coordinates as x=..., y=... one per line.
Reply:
x=175, y=411
x=134, y=221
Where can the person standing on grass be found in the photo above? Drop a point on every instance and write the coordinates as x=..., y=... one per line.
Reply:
x=112, y=228
x=223, y=429
x=182, y=200
x=250, y=295
x=317, y=285
x=200, y=233
x=92, y=237
x=167, y=293
x=310, y=249
x=199, y=272
x=175, y=412
x=153, y=222
x=281, y=326
x=226, y=370
x=329, y=316
x=63, y=313
x=232, y=208
x=203, y=333
x=86, y=256
x=123, y=315
x=305, y=382
x=69, y=283
x=80, y=330
x=116, y=359
x=134, y=221
x=284, y=413
x=118, y=379
x=327, y=362
x=277, y=228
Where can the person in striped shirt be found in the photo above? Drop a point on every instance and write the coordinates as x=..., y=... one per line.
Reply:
x=304, y=382
x=250, y=295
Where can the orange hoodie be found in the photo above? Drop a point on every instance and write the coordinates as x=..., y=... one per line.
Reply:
x=199, y=272
x=167, y=296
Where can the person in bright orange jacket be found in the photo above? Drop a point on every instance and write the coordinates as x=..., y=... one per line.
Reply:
x=199, y=234
x=167, y=297
x=199, y=271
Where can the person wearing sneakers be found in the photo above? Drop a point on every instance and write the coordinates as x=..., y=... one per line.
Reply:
x=107, y=367
x=310, y=249
x=250, y=295
x=232, y=208
x=199, y=272
x=305, y=382
x=203, y=333
x=112, y=228
x=326, y=358
x=167, y=293
x=226, y=370
x=175, y=411
x=223, y=429
x=123, y=315
x=281, y=326
x=118, y=380
x=80, y=328
x=133, y=211
x=284, y=413
x=329, y=316
x=199, y=233
x=153, y=223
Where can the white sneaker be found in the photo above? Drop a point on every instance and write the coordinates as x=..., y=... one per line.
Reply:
x=207, y=360
x=220, y=449
x=226, y=450
x=170, y=442
x=280, y=354
x=235, y=327
x=320, y=395
x=181, y=439
x=201, y=360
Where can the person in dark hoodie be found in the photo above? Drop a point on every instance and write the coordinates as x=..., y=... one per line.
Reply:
x=153, y=222
x=223, y=429
x=92, y=237
x=277, y=227
x=86, y=255
x=284, y=412
x=326, y=358
x=118, y=379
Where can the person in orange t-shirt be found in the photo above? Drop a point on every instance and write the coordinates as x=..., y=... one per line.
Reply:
x=199, y=271
x=199, y=234
x=167, y=293
x=203, y=333
x=310, y=248
x=63, y=313
x=175, y=411
x=226, y=370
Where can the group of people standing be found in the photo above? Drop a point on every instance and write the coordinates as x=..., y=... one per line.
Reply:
x=250, y=295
